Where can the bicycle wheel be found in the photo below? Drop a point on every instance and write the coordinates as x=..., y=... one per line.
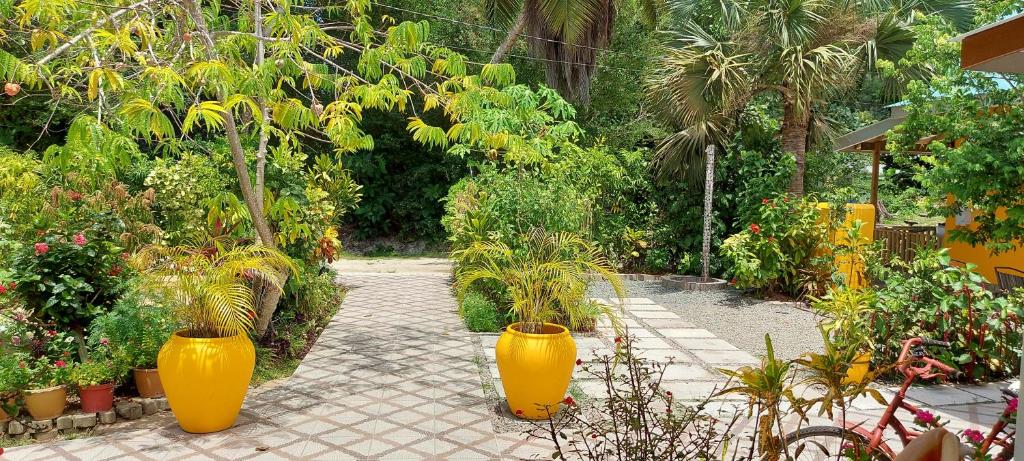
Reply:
x=823, y=443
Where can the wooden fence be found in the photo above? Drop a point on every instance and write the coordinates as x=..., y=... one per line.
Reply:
x=903, y=241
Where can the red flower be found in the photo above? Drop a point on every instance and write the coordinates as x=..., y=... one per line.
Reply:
x=569, y=400
x=519, y=412
x=41, y=248
x=732, y=282
x=3, y=289
x=80, y=239
x=22, y=364
x=755, y=228
x=593, y=435
x=125, y=256
x=924, y=416
x=51, y=333
x=668, y=394
x=973, y=435
x=60, y=364
x=115, y=271
x=74, y=196
x=765, y=201
x=579, y=362
x=618, y=339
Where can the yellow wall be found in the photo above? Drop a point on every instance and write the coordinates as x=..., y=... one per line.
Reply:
x=980, y=256
x=853, y=270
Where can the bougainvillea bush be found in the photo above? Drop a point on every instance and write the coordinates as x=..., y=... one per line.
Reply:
x=781, y=240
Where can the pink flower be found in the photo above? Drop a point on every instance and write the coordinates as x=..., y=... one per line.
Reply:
x=16, y=340
x=924, y=418
x=60, y=364
x=1011, y=406
x=3, y=289
x=755, y=228
x=973, y=435
x=41, y=248
x=80, y=239
x=104, y=341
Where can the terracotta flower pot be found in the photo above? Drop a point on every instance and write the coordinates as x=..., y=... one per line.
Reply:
x=4, y=417
x=98, y=398
x=535, y=369
x=46, y=403
x=147, y=380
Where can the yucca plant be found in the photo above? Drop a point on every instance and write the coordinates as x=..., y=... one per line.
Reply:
x=546, y=279
x=210, y=287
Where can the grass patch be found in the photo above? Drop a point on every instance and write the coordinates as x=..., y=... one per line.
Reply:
x=270, y=367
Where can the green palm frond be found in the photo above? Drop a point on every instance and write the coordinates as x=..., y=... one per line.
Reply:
x=546, y=280
x=210, y=287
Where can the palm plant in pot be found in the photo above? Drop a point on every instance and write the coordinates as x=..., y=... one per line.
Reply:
x=135, y=330
x=205, y=367
x=546, y=279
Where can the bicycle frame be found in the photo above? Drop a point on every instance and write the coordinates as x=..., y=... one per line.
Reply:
x=912, y=368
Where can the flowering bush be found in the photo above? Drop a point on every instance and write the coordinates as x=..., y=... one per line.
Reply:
x=768, y=255
x=70, y=278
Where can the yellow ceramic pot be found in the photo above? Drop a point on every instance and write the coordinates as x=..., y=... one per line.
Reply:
x=858, y=369
x=206, y=379
x=535, y=369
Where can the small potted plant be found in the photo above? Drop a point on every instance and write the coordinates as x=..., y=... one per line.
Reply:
x=46, y=393
x=135, y=330
x=206, y=367
x=14, y=378
x=546, y=280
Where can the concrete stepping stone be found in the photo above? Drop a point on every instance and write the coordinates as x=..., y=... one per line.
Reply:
x=713, y=344
x=659, y=324
x=717, y=358
x=655, y=314
x=644, y=307
x=686, y=333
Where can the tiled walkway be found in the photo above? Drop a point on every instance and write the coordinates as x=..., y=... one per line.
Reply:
x=395, y=376
x=392, y=377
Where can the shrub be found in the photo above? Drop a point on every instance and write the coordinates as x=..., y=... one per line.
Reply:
x=929, y=297
x=70, y=276
x=134, y=330
x=479, y=313
x=96, y=372
x=504, y=206
x=184, y=187
x=310, y=301
x=781, y=240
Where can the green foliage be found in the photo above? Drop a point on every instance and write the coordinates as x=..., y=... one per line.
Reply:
x=479, y=313
x=210, y=288
x=134, y=330
x=505, y=206
x=982, y=168
x=184, y=188
x=846, y=316
x=69, y=276
x=96, y=372
x=778, y=243
x=546, y=280
x=928, y=297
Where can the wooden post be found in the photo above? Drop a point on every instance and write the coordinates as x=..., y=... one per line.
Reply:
x=709, y=190
x=876, y=158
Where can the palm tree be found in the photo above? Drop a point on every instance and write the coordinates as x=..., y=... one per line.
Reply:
x=806, y=52
x=565, y=34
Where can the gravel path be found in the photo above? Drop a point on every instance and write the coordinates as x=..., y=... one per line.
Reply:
x=739, y=319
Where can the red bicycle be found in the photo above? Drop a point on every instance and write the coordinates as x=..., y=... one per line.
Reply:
x=835, y=442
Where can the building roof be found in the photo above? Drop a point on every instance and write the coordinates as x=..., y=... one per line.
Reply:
x=995, y=47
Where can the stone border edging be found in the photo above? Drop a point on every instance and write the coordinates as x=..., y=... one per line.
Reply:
x=127, y=410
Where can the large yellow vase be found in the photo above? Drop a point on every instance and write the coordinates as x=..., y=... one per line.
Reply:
x=206, y=379
x=535, y=369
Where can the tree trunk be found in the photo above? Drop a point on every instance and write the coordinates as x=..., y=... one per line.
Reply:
x=709, y=191
x=794, y=142
x=510, y=39
x=268, y=302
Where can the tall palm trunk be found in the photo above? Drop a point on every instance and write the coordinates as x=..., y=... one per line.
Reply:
x=794, y=142
x=510, y=39
x=709, y=191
